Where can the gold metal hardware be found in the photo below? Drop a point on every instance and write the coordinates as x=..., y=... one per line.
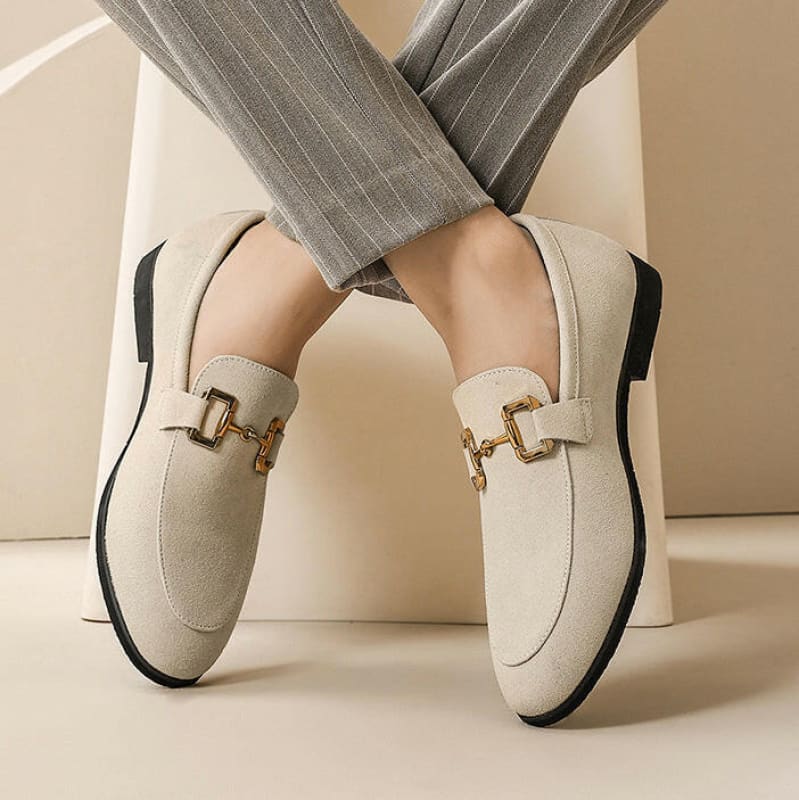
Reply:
x=511, y=436
x=225, y=425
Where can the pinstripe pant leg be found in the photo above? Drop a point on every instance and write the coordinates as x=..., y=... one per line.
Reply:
x=355, y=163
x=499, y=76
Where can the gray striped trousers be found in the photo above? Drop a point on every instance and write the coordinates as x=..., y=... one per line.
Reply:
x=362, y=155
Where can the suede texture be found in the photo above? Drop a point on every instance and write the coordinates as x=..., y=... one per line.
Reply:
x=181, y=409
x=183, y=520
x=558, y=532
x=212, y=500
x=527, y=544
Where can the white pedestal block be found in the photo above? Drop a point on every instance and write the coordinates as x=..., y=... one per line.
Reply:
x=370, y=514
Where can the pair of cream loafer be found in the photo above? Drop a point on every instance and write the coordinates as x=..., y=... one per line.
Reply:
x=562, y=520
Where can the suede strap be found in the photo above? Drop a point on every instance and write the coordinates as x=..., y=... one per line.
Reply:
x=179, y=409
x=568, y=420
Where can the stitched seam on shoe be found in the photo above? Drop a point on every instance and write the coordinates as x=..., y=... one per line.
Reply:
x=248, y=363
x=240, y=583
x=587, y=417
x=161, y=554
x=499, y=371
x=575, y=355
x=484, y=376
x=226, y=236
x=572, y=303
x=538, y=643
x=563, y=588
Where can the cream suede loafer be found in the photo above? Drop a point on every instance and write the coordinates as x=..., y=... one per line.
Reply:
x=180, y=515
x=563, y=526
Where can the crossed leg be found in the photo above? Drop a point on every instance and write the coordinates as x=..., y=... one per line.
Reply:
x=384, y=175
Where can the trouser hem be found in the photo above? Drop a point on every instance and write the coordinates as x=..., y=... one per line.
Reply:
x=348, y=238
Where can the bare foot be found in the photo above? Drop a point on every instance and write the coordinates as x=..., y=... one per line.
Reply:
x=265, y=302
x=481, y=283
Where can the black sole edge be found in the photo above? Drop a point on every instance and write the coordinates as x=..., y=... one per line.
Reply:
x=637, y=357
x=143, y=311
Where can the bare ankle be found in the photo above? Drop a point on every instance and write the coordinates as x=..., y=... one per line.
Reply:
x=264, y=303
x=481, y=283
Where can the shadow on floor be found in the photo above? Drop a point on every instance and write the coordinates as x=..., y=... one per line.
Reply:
x=409, y=665
x=735, y=637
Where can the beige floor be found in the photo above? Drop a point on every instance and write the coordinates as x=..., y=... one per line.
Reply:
x=708, y=708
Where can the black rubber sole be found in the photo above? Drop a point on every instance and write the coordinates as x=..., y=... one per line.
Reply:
x=635, y=367
x=143, y=309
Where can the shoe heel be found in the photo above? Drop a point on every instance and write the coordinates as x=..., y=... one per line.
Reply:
x=143, y=304
x=646, y=315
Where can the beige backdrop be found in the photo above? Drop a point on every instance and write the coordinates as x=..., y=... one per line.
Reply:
x=719, y=90
x=719, y=85
x=65, y=136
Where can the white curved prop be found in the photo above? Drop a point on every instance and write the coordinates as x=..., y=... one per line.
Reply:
x=20, y=69
x=370, y=514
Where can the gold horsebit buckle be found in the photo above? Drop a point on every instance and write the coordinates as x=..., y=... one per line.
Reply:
x=512, y=436
x=225, y=425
